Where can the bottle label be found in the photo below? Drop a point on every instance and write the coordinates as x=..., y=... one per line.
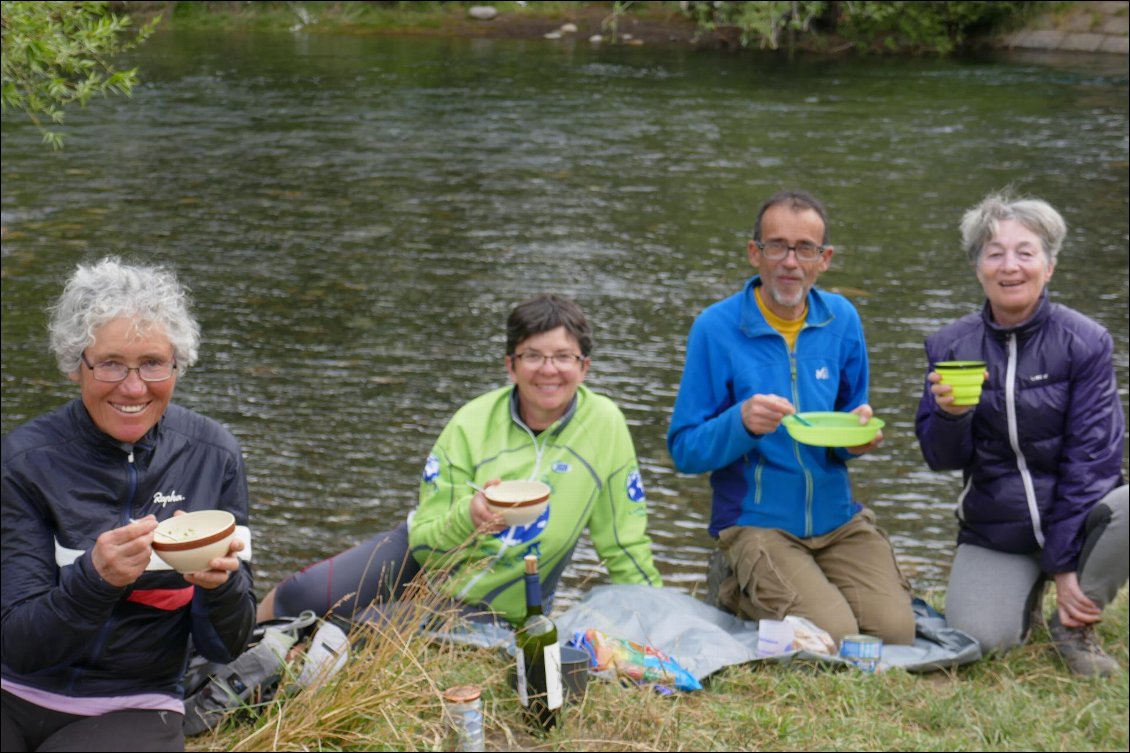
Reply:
x=523, y=693
x=553, y=693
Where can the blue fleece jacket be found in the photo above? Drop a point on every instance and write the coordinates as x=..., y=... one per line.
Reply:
x=769, y=481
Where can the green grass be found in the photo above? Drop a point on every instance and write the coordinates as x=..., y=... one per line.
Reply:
x=389, y=698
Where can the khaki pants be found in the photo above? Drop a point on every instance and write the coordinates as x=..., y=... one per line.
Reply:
x=846, y=581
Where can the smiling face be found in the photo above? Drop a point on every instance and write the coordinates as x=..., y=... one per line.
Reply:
x=126, y=410
x=545, y=389
x=787, y=281
x=1013, y=271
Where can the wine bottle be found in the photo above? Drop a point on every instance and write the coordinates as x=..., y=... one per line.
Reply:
x=539, y=657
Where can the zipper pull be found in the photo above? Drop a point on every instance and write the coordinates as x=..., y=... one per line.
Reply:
x=130, y=459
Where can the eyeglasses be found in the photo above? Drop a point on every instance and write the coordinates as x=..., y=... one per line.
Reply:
x=113, y=371
x=531, y=359
x=778, y=250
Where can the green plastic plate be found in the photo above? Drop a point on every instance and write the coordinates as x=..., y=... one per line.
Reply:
x=832, y=429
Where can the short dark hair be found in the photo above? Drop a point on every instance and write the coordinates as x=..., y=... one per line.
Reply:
x=798, y=201
x=543, y=313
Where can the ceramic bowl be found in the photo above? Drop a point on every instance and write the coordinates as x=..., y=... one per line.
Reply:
x=189, y=542
x=518, y=502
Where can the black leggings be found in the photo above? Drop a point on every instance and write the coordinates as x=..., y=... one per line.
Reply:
x=27, y=726
x=375, y=570
x=363, y=584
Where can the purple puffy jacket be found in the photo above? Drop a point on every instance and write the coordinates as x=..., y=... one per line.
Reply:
x=1045, y=442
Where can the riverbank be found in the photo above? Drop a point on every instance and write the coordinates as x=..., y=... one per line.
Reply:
x=1076, y=27
x=1084, y=26
x=389, y=698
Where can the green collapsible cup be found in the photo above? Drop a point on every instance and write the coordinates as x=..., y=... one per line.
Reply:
x=966, y=377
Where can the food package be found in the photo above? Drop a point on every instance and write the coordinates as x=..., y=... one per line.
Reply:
x=620, y=659
x=808, y=637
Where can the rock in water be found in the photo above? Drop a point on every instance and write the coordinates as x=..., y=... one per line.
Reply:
x=482, y=12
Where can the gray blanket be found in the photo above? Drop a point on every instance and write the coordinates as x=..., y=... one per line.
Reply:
x=704, y=639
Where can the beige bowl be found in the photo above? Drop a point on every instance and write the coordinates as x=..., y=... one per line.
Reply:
x=189, y=542
x=518, y=502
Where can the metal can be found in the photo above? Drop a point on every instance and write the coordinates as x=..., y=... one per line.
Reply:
x=463, y=708
x=864, y=651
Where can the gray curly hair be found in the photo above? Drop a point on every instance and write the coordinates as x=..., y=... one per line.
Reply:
x=981, y=223
x=97, y=294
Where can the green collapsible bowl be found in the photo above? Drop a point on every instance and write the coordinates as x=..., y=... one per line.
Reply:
x=832, y=429
x=966, y=378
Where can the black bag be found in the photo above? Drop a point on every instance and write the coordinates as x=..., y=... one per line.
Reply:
x=213, y=690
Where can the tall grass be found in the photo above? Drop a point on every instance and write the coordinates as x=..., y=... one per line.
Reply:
x=389, y=698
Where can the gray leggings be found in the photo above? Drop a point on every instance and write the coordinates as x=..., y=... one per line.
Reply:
x=991, y=593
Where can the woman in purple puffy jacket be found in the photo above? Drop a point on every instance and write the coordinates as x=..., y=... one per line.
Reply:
x=1044, y=496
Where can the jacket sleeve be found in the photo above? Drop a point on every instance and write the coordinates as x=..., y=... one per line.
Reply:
x=855, y=376
x=223, y=618
x=50, y=614
x=442, y=520
x=618, y=524
x=946, y=440
x=706, y=431
x=1091, y=455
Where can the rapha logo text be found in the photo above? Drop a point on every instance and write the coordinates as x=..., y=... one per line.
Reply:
x=164, y=499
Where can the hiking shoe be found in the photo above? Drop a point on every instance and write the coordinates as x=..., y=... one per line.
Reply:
x=328, y=653
x=1080, y=650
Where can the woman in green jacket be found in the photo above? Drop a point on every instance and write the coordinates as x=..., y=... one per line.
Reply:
x=547, y=426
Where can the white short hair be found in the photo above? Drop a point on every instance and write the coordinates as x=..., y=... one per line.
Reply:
x=980, y=224
x=97, y=294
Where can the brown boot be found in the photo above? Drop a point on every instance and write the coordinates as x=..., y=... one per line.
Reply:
x=1079, y=648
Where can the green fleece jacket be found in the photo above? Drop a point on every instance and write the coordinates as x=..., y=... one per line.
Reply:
x=587, y=459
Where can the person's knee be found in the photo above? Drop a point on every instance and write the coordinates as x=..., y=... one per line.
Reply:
x=836, y=622
x=991, y=632
x=266, y=609
x=895, y=625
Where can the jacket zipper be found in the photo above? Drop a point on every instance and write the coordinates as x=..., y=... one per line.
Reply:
x=796, y=448
x=108, y=628
x=1014, y=440
x=539, y=450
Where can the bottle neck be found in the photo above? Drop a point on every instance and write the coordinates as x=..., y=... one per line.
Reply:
x=533, y=594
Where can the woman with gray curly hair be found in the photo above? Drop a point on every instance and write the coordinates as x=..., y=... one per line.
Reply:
x=96, y=628
x=1044, y=496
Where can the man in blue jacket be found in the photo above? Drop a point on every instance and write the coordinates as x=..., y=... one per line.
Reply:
x=783, y=512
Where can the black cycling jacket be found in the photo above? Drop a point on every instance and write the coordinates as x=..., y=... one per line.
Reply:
x=67, y=631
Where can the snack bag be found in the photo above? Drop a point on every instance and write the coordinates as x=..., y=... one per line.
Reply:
x=620, y=659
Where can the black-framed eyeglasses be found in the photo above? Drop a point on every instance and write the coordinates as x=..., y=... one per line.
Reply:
x=531, y=359
x=778, y=250
x=151, y=370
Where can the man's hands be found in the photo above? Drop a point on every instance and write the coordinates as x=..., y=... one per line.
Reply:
x=762, y=414
x=865, y=413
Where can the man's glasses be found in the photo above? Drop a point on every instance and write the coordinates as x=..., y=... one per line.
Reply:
x=778, y=250
x=151, y=370
x=531, y=359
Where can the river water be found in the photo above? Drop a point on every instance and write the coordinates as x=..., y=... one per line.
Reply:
x=356, y=215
